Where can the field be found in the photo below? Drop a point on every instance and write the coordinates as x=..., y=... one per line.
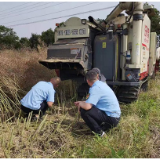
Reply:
x=62, y=133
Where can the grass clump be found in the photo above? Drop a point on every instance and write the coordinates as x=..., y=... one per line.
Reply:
x=9, y=98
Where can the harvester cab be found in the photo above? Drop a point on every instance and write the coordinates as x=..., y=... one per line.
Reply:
x=71, y=54
x=122, y=47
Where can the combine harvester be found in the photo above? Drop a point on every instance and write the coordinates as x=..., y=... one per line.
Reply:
x=122, y=47
x=157, y=68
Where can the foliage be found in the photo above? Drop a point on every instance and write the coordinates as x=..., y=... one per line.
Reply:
x=8, y=37
x=34, y=41
x=24, y=42
x=155, y=19
x=60, y=24
x=100, y=20
x=17, y=45
x=48, y=37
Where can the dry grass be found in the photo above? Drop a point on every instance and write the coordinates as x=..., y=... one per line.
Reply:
x=23, y=67
x=62, y=133
x=19, y=72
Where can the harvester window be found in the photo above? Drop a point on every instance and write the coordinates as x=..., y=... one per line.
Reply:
x=82, y=31
x=74, y=31
x=67, y=32
x=60, y=33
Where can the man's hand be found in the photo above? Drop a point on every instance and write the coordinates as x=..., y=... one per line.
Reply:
x=77, y=103
x=49, y=104
x=83, y=105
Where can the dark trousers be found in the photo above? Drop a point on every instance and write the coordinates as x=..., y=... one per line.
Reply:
x=97, y=120
x=41, y=110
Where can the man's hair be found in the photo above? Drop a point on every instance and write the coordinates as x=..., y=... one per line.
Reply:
x=97, y=70
x=56, y=80
x=91, y=75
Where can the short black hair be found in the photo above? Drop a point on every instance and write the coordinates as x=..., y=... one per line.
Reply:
x=91, y=75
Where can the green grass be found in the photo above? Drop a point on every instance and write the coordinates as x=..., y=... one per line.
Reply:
x=62, y=133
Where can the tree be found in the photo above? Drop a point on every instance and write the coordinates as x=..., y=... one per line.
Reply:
x=155, y=19
x=17, y=45
x=100, y=20
x=8, y=37
x=48, y=37
x=34, y=41
x=24, y=42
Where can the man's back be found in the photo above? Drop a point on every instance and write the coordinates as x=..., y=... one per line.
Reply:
x=102, y=96
x=40, y=92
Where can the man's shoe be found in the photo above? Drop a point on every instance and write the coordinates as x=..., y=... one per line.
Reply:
x=34, y=119
x=103, y=135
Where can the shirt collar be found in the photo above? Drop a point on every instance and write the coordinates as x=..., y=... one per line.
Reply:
x=94, y=84
x=51, y=84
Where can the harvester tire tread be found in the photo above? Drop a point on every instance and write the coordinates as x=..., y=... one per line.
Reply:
x=127, y=94
x=144, y=87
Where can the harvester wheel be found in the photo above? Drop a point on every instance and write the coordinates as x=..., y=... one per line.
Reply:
x=144, y=87
x=128, y=94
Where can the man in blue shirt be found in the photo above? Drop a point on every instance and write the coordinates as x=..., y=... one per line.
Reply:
x=40, y=97
x=101, y=110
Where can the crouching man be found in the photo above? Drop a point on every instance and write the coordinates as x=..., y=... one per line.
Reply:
x=101, y=110
x=40, y=97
